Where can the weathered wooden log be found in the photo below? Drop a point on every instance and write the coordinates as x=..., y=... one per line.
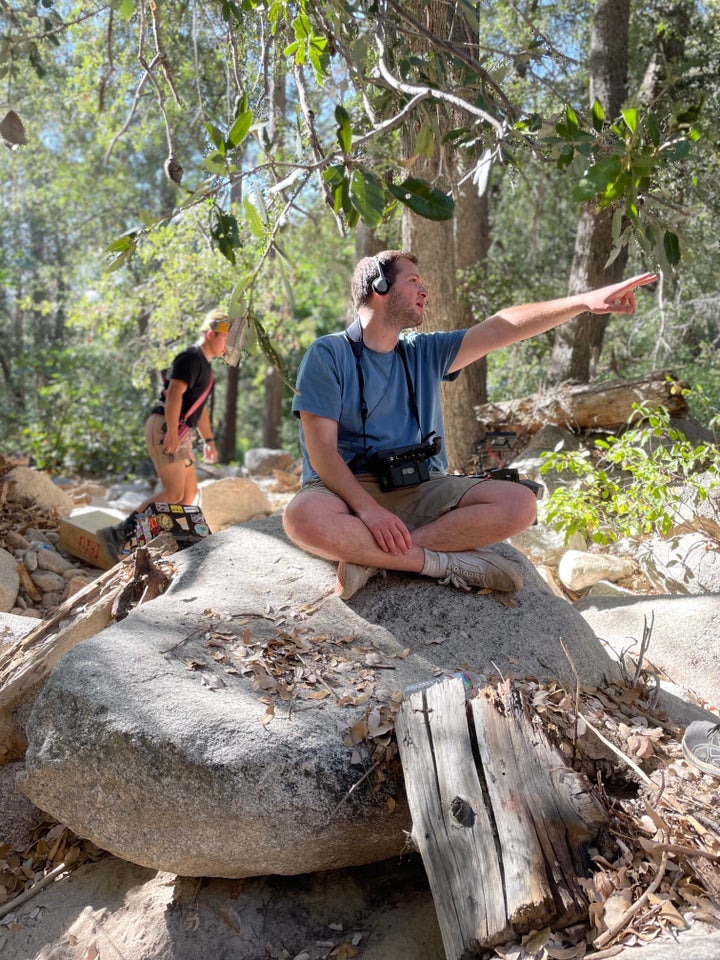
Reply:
x=29, y=661
x=500, y=820
x=601, y=406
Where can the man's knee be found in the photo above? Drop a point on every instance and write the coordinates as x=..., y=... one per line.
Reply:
x=523, y=508
x=298, y=519
x=307, y=518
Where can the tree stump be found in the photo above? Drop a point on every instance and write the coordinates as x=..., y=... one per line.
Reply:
x=501, y=822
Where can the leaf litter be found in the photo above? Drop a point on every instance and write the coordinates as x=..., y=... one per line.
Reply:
x=656, y=863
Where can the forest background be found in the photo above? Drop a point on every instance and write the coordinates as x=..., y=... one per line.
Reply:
x=163, y=158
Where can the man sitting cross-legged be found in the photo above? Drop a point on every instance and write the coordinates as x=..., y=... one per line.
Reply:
x=376, y=387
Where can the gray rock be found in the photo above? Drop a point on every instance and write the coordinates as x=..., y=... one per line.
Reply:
x=16, y=541
x=683, y=639
x=53, y=561
x=31, y=486
x=47, y=581
x=701, y=515
x=38, y=536
x=579, y=569
x=9, y=581
x=149, y=738
x=685, y=564
x=232, y=500
x=12, y=628
x=548, y=439
x=545, y=545
x=261, y=461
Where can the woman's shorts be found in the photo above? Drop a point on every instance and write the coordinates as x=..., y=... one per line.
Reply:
x=155, y=429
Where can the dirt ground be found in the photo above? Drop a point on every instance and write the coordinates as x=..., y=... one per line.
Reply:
x=113, y=909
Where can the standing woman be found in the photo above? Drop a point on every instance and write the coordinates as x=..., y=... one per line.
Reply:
x=170, y=430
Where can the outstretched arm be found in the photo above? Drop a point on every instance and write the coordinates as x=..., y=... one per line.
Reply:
x=512, y=324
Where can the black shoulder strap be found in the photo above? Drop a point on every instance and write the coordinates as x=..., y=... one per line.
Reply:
x=355, y=339
x=411, y=392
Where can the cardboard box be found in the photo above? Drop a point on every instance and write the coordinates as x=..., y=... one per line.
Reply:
x=78, y=536
x=185, y=522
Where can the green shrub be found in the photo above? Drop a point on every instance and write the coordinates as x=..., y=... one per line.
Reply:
x=87, y=418
x=629, y=485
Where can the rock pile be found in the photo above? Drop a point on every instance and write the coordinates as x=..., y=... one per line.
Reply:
x=37, y=576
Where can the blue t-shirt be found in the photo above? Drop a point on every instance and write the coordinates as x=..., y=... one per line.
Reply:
x=328, y=386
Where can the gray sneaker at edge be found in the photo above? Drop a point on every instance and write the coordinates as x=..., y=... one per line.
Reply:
x=482, y=568
x=351, y=577
x=701, y=746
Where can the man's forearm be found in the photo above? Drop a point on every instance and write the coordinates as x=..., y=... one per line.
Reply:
x=338, y=477
x=512, y=324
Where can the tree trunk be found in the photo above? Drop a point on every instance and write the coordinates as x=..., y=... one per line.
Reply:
x=444, y=248
x=272, y=382
x=599, y=406
x=578, y=344
x=228, y=427
x=272, y=410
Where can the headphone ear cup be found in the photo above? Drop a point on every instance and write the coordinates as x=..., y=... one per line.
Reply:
x=380, y=284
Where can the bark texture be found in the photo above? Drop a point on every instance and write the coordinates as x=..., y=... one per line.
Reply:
x=578, y=344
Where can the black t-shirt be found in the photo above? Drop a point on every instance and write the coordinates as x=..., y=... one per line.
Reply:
x=193, y=368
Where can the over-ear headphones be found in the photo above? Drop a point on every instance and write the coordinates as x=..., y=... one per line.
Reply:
x=380, y=284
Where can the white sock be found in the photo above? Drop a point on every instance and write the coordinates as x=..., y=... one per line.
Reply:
x=435, y=564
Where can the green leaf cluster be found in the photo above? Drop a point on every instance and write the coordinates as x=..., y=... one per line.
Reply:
x=618, y=163
x=629, y=485
x=359, y=195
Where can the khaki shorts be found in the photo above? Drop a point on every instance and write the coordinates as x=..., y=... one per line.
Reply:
x=415, y=506
x=155, y=428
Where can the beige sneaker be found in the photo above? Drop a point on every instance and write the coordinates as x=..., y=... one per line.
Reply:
x=351, y=577
x=482, y=568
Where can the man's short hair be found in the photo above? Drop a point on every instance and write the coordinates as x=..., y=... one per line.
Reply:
x=216, y=320
x=366, y=271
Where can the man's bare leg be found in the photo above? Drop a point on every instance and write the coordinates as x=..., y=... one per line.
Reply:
x=487, y=513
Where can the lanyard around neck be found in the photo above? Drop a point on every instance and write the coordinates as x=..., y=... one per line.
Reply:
x=355, y=338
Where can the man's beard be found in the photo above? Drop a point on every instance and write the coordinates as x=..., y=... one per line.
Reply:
x=400, y=316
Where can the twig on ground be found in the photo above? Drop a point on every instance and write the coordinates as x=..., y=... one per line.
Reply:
x=618, y=927
x=354, y=787
x=623, y=756
x=31, y=891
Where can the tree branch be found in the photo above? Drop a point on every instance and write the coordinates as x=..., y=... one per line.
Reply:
x=413, y=89
x=455, y=51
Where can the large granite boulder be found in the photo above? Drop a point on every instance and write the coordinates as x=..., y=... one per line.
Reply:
x=31, y=486
x=225, y=728
x=687, y=563
x=9, y=581
x=683, y=631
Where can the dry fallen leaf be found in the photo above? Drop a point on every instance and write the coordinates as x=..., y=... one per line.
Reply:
x=231, y=917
